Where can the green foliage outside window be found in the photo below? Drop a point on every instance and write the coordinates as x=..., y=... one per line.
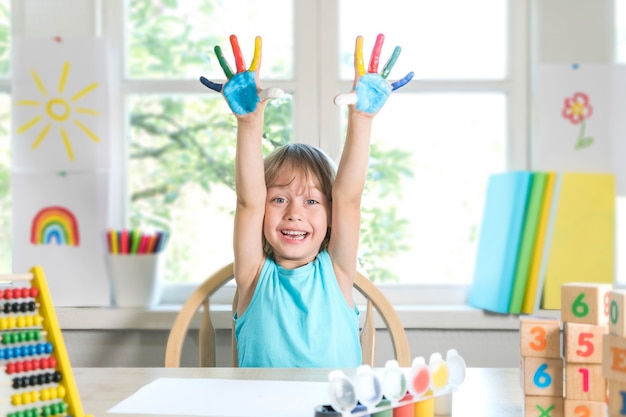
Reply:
x=188, y=141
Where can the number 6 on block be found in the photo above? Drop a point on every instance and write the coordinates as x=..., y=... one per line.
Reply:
x=585, y=303
x=543, y=376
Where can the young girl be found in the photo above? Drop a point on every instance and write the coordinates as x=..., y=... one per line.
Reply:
x=297, y=225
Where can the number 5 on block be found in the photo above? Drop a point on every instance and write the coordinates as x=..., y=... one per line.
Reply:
x=540, y=337
x=583, y=342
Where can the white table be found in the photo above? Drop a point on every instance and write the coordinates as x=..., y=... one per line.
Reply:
x=486, y=392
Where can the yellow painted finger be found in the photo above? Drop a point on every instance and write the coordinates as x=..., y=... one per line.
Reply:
x=359, y=64
x=257, y=54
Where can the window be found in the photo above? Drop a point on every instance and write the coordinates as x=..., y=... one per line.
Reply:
x=434, y=144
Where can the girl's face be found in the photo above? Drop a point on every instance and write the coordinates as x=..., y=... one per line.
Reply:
x=297, y=215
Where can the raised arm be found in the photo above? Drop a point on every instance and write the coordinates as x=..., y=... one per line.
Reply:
x=369, y=94
x=247, y=101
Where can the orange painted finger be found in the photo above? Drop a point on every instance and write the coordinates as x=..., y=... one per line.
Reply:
x=359, y=65
x=378, y=46
x=240, y=66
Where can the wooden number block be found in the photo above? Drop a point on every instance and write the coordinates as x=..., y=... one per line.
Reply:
x=614, y=358
x=584, y=381
x=540, y=337
x=583, y=342
x=543, y=376
x=617, y=398
x=585, y=303
x=580, y=408
x=543, y=406
x=617, y=312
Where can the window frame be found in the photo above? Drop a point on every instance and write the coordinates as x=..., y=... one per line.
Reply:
x=317, y=70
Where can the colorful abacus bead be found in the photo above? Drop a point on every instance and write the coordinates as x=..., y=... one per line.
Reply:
x=30, y=365
x=26, y=350
x=54, y=409
x=33, y=380
x=31, y=412
x=9, y=323
x=19, y=337
x=24, y=366
x=16, y=293
x=19, y=307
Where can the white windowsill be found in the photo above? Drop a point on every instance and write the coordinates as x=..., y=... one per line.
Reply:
x=458, y=317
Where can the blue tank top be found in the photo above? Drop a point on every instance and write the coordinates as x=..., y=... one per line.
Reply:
x=298, y=318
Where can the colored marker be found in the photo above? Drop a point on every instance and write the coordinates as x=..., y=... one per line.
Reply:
x=135, y=237
x=124, y=241
x=114, y=241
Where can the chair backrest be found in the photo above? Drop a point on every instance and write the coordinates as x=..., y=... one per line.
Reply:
x=199, y=302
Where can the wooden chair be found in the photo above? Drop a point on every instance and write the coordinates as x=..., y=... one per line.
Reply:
x=199, y=300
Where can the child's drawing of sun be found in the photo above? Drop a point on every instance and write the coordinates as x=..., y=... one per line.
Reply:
x=57, y=110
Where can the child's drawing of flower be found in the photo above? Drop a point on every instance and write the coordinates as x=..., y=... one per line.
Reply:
x=577, y=110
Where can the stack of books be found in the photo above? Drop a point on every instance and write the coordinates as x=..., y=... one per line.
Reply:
x=540, y=230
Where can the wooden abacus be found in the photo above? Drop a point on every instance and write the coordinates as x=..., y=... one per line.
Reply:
x=37, y=371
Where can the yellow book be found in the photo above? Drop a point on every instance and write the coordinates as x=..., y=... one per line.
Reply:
x=531, y=300
x=582, y=247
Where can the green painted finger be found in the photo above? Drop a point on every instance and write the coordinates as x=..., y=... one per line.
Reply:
x=392, y=61
x=223, y=63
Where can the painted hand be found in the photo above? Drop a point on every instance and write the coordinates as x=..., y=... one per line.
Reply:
x=371, y=89
x=240, y=90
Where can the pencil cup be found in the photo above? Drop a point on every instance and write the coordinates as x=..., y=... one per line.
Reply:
x=135, y=279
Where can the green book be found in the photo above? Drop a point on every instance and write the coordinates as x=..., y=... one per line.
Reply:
x=528, y=242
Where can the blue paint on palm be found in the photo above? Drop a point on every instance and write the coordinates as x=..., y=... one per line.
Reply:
x=372, y=92
x=241, y=94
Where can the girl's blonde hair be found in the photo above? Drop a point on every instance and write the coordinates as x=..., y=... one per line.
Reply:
x=306, y=160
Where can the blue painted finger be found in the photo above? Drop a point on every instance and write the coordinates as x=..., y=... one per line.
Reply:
x=210, y=84
x=401, y=83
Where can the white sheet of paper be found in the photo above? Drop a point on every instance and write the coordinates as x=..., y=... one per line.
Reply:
x=225, y=398
x=60, y=104
x=556, y=136
x=76, y=274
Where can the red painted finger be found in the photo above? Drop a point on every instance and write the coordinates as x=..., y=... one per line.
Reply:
x=378, y=46
x=239, y=62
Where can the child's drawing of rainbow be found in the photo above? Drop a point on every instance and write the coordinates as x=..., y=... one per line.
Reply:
x=55, y=224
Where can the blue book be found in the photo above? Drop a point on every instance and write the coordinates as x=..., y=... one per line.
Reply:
x=499, y=240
